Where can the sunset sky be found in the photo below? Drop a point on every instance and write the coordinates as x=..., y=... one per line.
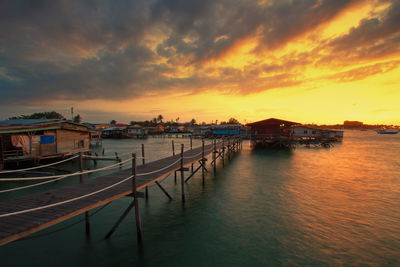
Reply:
x=310, y=61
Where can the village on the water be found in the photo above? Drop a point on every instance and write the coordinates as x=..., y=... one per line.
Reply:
x=24, y=140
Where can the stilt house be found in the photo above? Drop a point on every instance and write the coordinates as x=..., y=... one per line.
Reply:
x=36, y=139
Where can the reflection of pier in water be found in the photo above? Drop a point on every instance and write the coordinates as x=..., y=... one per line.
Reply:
x=25, y=215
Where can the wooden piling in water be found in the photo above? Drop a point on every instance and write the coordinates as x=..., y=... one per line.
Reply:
x=146, y=189
x=202, y=160
x=136, y=201
x=87, y=217
x=191, y=147
x=223, y=152
x=173, y=153
x=182, y=176
x=214, y=156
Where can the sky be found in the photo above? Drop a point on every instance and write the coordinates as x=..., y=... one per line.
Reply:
x=309, y=61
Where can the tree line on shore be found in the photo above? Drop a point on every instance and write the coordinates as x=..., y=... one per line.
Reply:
x=153, y=122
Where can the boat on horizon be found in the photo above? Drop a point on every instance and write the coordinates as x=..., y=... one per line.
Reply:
x=387, y=131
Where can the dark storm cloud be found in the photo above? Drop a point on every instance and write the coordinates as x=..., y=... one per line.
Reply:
x=206, y=29
x=106, y=49
x=374, y=38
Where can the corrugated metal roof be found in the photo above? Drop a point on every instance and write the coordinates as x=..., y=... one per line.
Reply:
x=8, y=131
x=114, y=128
x=26, y=121
x=272, y=121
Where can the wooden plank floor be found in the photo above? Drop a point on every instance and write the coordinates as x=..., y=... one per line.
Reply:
x=17, y=226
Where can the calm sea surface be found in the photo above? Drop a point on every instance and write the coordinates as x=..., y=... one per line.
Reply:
x=308, y=207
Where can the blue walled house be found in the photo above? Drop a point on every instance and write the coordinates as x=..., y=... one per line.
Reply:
x=228, y=130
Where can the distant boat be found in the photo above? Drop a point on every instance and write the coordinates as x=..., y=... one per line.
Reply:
x=388, y=131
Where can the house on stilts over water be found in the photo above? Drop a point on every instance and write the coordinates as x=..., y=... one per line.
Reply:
x=33, y=140
x=276, y=133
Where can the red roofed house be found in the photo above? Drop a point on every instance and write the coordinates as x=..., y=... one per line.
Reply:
x=271, y=131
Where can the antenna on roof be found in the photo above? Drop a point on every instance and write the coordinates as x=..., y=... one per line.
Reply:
x=72, y=113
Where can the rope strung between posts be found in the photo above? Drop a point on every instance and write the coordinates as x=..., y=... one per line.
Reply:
x=166, y=167
x=65, y=201
x=108, y=157
x=41, y=166
x=38, y=184
x=29, y=186
x=196, y=155
x=65, y=175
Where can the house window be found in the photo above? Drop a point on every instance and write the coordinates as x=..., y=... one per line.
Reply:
x=80, y=144
x=305, y=131
x=314, y=132
x=47, y=139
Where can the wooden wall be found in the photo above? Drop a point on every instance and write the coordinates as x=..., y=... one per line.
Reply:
x=1, y=153
x=69, y=142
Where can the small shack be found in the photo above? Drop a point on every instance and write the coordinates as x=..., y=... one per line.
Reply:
x=303, y=132
x=306, y=132
x=115, y=132
x=222, y=130
x=37, y=139
x=159, y=129
x=137, y=131
x=201, y=131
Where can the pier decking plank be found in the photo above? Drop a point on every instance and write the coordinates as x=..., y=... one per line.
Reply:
x=20, y=225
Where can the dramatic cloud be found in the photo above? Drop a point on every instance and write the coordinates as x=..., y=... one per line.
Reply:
x=61, y=49
x=363, y=72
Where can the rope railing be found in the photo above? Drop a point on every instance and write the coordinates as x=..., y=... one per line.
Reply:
x=195, y=155
x=108, y=157
x=64, y=175
x=39, y=167
x=59, y=177
x=161, y=169
x=29, y=186
x=66, y=201
x=38, y=184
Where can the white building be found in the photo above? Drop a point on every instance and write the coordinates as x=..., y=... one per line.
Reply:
x=306, y=132
x=302, y=131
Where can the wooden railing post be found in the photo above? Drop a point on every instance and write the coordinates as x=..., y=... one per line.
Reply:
x=136, y=201
x=191, y=147
x=182, y=176
x=202, y=160
x=146, y=190
x=223, y=152
x=229, y=148
x=118, y=159
x=173, y=153
x=87, y=217
x=215, y=156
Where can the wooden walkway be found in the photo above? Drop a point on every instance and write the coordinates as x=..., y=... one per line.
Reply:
x=18, y=226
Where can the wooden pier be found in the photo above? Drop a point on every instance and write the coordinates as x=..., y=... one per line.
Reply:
x=25, y=215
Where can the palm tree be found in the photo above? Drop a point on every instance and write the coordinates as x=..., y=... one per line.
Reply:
x=113, y=122
x=160, y=118
x=193, y=121
x=77, y=118
x=233, y=121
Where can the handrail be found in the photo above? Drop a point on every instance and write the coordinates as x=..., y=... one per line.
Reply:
x=38, y=184
x=39, y=167
x=65, y=201
x=64, y=175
